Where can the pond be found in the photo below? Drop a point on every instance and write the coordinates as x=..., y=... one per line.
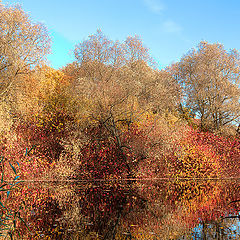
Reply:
x=127, y=209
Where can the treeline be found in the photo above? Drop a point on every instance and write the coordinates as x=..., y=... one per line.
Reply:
x=110, y=119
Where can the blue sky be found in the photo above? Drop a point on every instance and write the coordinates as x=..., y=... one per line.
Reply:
x=168, y=28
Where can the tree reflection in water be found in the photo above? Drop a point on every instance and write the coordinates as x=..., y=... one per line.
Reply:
x=206, y=209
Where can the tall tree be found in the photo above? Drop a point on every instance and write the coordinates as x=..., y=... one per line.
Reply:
x=121, y=74
x=210, y=78
x=23, y=44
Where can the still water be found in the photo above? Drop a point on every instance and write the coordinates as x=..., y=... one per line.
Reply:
x=126, y=209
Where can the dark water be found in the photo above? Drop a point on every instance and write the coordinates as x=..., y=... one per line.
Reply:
x=128, y=209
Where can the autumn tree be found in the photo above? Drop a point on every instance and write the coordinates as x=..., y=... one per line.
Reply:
x=209, y=77
x=23, y=44
x=118, y=86
x=120, y=77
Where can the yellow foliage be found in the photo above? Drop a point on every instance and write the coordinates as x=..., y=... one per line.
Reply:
x=52, y=81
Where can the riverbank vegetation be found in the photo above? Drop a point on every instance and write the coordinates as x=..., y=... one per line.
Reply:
x=110, y=146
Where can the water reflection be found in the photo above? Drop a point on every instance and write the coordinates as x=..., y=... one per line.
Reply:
x=136, y=209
